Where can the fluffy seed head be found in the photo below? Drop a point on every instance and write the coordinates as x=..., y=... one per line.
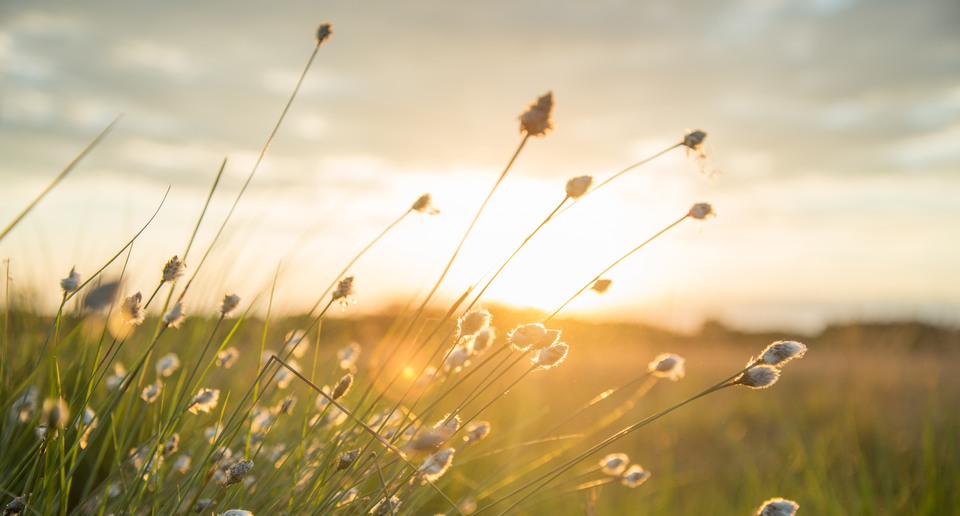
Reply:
x=236, y=512
x=473, y=321
x=296, y=343
x=759, y=377
x=348, y=356
x=533, y=335
x=778, y=507
x=174, y=268
x=694, y=139
x=701, y=210
x=71, y=283
x=457, y=359
x=342, y=386
x=175, y=316
x=347, y=459
x=229, y=303
x=119, y=373
x=131, y=312
x=424, y=204
x=483, y=340
x=386, y=507
x=204, y=401
x=634, y=476
x=151, y=392
x=349, y=496
x=56, y=412
x=238, y=471
x=667, y=365
x=614, y=464
x=476, y=431
x=227, y=357
x=167, y=364
x=436, y=465
x=578, y=186
x=535, y=121
x=601, y=286
x=172, y=445
x=781, y=352
x=101, y=296
x=344, y=291
x=323, y=33
x=182, y=464
x=551, y=356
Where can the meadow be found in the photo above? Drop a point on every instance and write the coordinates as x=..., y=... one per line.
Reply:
x=119, y=403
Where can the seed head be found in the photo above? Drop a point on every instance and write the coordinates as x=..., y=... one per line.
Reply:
x=436, y=465
x=694, y=139
x=601, y=286
x=203, y=504
x=347, y=497
x=701, y=210
x=778, y=507
x=578, y=186
x=25, y=405
x=457, y=359
x=348, y=356
x=151, y=392
x=71, y=283
x=424, y=204
x=781, y=352
x=238, y=471
x=483, y=340
x=344, y=291
x=759, y=377
x=227, y=357
x=174, y=268
x=102, y=296
x=386, y=507
x=236, y=512
x=614, y=464
x=347, y=459
x=535, y=121
x=175, y=316
x=296, y=343
x=476, y=431
x=56, y=412
x=131, y=311
x=204, y=401
x=534, y=335
x=323, y=33
x=16, y=506
x=634, y=476
x=342, y=386
x=119, y=373
x=168, y=364
x=473, y=321
x=172, y=445
x=667, y=365
x=551, y=356
x=229, y=303
x=182, y=464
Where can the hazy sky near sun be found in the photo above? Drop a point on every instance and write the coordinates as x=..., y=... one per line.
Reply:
x=833, y=125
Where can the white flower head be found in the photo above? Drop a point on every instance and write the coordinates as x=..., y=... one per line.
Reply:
x=551, y=356
x=578, y=186
x=476, y=431
x=229, y=303
x=614, y=464
x=175, y=316
x=151, y=392
x=483, y=340
x=436, y=465
x=634, y=476
x=386, y=507
x=227, y=357
x=667, y=365
x=758, y=377
x=71, y=283
x=457, y=359
x=131, y=312
x=56, y=412
x=533, y=335
x=296, y=343
x=344, y=292
x=778, y=507
x=473, y=321
x=535, y=121
x=348, y=356
x=204, y=401
x=167, y=364
x=119, y=373
x=174, y=269
x=781, y=352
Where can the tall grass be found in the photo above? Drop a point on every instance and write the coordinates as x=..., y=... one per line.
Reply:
x=109, y=411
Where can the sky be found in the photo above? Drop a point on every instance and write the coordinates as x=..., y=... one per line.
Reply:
x=832, y=151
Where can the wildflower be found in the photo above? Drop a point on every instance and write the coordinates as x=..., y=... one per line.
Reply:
x=701, y=210
x=778, y=507
x=175, y=316
x=16, y=506
x=457, y=359
x=344, y=291
x=119, y=373
x=174, y=268
x=386, y=507
x=323, y=399
x=667, y=365
x=534, y=335
x=347, y=459
x=477, y=431
x=71, y=283
x=227, y=357
x=347, y=497
x=448, y=424
x=167, y=364
x=535, y=121
x=436, y=465
x=25, y=406
x=323, y=32
x=296, y=343
x=56, y=412
x=614, y=464
x=285, y=406
x=634, y=476
x=348, y=356
x=342, y=386
x=172, y=445
x=473, y=321
x=238, y=471
x=101, y=296
x=759, y=377
x=151, y=392
x=551, y=356
x=229, y=303
x=781, y=352
x=601, y=286
x=483, y=340
x=694, y=140
x=285, y=376
x=578, y=186
x=131, y=312
x=182, y=464
x=204, y=401
x=424, y=204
